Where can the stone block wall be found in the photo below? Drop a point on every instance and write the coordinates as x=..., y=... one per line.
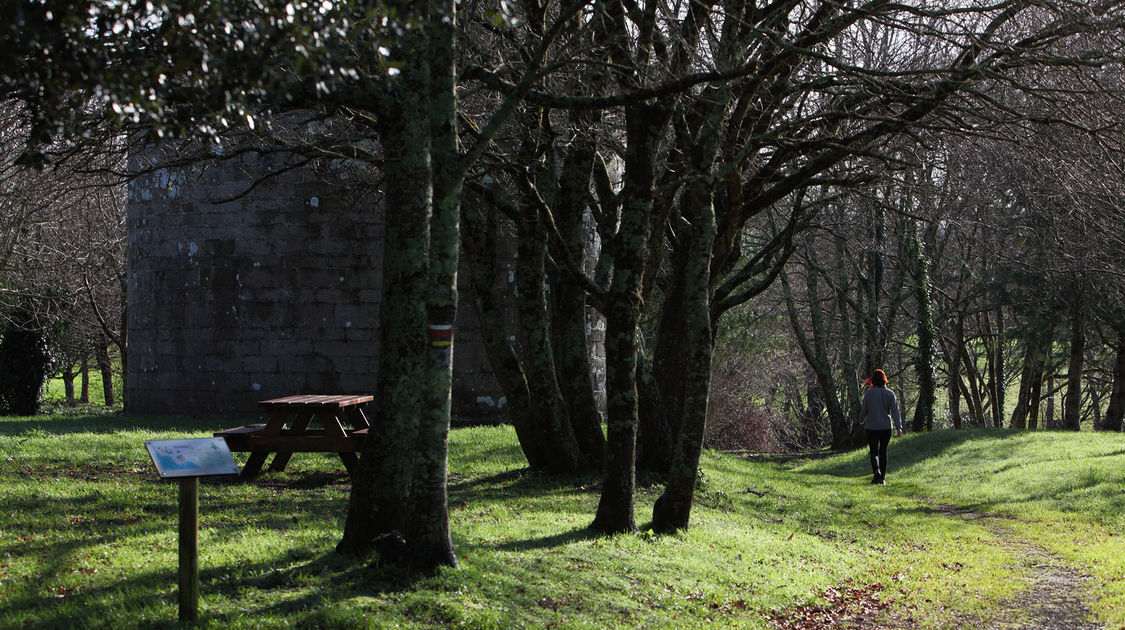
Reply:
x=273, y=293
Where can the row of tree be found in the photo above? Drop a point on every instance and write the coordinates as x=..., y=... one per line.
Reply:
x=62, y=270
x=708, y=148
x=982, y=271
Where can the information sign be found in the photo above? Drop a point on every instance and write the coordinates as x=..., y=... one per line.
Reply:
x=194, y=457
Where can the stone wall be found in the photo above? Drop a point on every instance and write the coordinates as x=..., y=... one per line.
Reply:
x=273, y=293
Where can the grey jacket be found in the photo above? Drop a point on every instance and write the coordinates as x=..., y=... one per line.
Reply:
x=879, y=407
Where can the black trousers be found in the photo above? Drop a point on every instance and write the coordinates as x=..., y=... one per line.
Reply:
x=877, y=442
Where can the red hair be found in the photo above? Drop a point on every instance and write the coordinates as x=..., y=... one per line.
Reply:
x=878, y=378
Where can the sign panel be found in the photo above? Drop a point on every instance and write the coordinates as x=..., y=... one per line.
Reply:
x=193, y=457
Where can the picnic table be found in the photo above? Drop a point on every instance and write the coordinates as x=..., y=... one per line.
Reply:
x=289, y=429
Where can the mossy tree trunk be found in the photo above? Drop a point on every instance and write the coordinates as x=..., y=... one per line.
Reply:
x=643, y=126
x=673, y=509
x=480, y=243
x=815, y=351
x=558, y=419
x=429, y=540
x=569, y=310
x=548, y=406
x=379, y=513
x=536, y=181
x=399, y=504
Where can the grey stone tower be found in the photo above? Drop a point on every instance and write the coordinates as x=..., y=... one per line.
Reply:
x=274, y=291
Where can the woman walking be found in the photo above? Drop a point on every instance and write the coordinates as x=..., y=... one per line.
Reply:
x=880, y=408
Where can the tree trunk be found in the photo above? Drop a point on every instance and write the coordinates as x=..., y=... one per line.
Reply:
x=1072, y=405
x=428, y=539
x=670, y=363
x=569, y=321
x=1023, y=401
x=924, y=355
x=971, y=383
x=379, y=509
x=673, y=509
x=479, y=239
x=1035, y=399
x=1116, y=409
x=1036, y=341
x=849, y=407
x=68, y=383
x=954, y=390
x=105, y=367
x=654, y=443
x=998, y=374
x=643, y=126
x=84, y=372
x=810, y=418
x=839, y=422
x=873, y=290
x=615, y=508
x=547, y=403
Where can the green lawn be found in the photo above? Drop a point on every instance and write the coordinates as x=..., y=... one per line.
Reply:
x=88, y=536
x=54, y=391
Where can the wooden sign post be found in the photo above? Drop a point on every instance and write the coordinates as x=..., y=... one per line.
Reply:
x=189, y=548
x=188, y=460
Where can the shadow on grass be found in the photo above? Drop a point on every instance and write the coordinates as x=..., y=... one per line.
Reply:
x=915, y=449
x=310, y=480
x=148, y=599
x=513, y=484
x=112, y=423
x=71, y=588
x=547, y=542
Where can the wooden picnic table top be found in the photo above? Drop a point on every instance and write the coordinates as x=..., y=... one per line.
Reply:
x=322, y=401
x=287, y=431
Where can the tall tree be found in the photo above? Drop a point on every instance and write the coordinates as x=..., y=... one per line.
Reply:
x=185, y=70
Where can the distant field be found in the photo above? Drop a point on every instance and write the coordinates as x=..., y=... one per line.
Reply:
x=87, y=537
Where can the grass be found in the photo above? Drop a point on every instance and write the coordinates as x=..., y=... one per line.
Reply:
x=54, y=393
x=87, y=535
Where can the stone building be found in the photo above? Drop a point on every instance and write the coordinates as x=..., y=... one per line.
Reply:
x=274, y=291
x=242, y=289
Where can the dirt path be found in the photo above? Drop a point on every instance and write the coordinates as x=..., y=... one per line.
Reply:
x=1056, y=597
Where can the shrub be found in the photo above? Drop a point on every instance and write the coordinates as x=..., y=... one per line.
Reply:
x=25, y=362
x=739, y=416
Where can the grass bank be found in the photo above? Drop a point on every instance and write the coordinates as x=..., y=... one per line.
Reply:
x=87, y=536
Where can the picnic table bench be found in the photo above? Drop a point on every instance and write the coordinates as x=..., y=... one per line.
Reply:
x=287, y=430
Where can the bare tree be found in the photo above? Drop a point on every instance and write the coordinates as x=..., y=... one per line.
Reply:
x=62, y=266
